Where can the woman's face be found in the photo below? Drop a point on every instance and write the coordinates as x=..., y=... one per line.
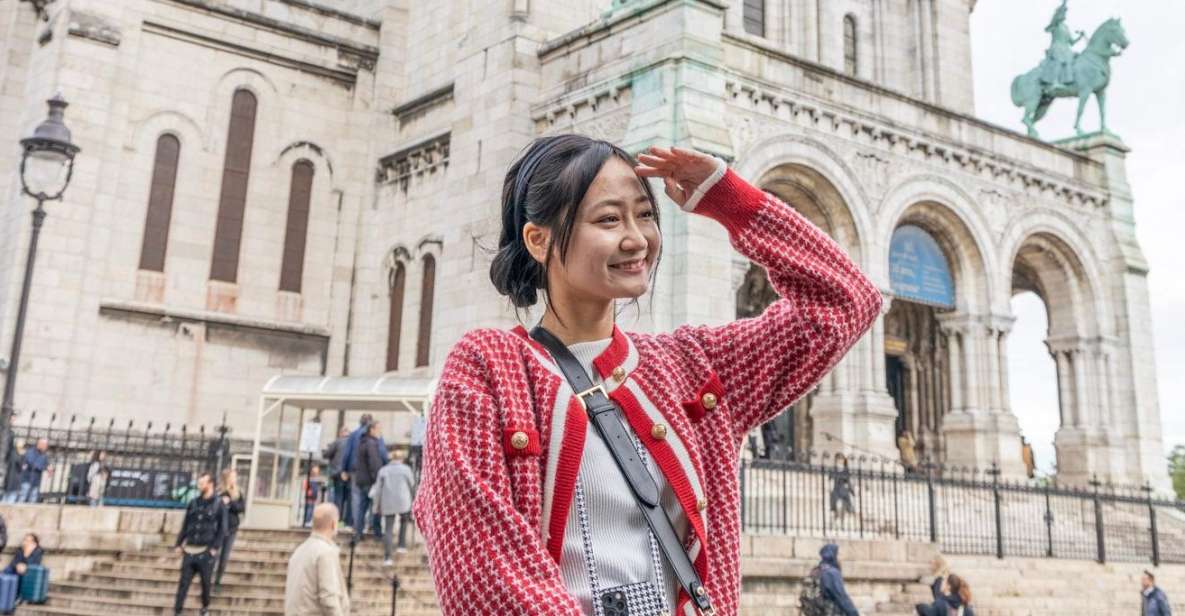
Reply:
x=614, y=244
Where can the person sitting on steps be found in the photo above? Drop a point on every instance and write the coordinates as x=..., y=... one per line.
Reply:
x=29, y=553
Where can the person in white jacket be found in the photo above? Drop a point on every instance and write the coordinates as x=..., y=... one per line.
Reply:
x=392, y=495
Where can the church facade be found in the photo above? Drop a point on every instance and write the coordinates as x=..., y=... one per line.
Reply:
x=296, y=187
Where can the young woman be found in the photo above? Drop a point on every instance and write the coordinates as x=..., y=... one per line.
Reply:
x=96, y=478
x=522, y=504
x=236, y=506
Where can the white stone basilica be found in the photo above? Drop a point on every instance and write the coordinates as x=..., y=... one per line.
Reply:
x=312, y=187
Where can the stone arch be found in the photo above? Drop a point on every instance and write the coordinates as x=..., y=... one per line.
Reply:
x=313, y=152
x=951, y=216
x=794, y=152
x=323, y=178
x=269, y=114
x=145, y=131
x=1057, y=261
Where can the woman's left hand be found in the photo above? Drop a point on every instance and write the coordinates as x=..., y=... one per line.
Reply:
x=681, y=170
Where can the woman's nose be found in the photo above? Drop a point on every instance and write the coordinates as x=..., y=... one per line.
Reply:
x=633, y=239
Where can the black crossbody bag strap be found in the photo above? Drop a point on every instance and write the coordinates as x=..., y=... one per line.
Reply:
x=602, y=413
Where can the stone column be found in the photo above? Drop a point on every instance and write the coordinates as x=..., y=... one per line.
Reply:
x=1126, y=297
x=1005, y=392
x=1075, y=456
x=978, y=433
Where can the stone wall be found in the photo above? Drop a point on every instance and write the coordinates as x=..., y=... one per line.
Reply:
x=74, y=537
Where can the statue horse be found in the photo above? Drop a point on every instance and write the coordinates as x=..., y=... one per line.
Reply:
x=1092, y=73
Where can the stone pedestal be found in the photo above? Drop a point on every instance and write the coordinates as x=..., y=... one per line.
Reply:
x=980, y=439
x=855, y=423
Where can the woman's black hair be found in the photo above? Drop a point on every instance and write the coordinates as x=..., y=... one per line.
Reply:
x=545, y=186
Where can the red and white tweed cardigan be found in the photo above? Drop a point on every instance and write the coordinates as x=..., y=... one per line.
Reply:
x=493, y=512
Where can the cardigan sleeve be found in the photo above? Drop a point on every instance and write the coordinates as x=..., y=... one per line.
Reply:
x=485, y=556
x=764, y=364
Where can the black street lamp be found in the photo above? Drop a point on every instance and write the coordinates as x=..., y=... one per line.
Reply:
x=47, y=165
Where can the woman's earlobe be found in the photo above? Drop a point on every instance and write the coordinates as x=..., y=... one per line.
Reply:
x=536, y=239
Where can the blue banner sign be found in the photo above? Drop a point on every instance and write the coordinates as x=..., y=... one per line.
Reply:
x=918, y=270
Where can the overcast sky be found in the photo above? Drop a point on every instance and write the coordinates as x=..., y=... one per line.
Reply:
x=1146, y=107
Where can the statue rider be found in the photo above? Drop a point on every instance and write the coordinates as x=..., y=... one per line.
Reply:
x=1058, y=69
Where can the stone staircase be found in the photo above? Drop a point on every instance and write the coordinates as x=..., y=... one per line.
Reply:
x=1035, y=586
x=144, y=582
x=885, y=578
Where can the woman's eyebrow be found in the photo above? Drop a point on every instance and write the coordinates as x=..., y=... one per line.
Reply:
x=620, y=203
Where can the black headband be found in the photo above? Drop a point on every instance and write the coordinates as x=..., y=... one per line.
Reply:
x=525, y=171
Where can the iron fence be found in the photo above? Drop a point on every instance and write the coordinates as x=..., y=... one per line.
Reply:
x=148, y=465
x=964, y=511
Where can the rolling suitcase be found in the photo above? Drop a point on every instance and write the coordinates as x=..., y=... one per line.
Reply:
x=35, y=584
x=8, y=587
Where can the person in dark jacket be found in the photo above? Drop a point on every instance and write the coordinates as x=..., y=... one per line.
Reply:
x=831, y=580
x=236, y=506
x=201, y=536
x=955, y=596
x=1153, y=601
x=365, y=472
x=36, y=462
x=16, y=466
x=336, y=454
x=29, y=553
x=842, y=490
x=350, y=459
x=3, y=533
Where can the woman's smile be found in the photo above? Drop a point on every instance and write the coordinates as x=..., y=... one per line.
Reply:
x=631, y=267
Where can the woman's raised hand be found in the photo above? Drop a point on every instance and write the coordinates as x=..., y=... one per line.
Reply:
x=681, y=170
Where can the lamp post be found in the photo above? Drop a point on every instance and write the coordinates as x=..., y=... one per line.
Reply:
x=47, y=164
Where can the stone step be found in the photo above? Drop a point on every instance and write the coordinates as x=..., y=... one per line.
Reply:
x=54, y=609
x=71, y=593
x=90, y=605
x=362, y=575
x=238, y=563
x=420, y=586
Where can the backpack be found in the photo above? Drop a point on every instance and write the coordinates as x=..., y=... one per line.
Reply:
x=811, y=600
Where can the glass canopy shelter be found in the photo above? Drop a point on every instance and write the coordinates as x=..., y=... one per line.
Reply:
x=288, y=402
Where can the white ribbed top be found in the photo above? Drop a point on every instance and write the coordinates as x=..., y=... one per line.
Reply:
x=620, y=536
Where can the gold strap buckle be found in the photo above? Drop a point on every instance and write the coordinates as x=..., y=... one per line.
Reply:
x=590, y=391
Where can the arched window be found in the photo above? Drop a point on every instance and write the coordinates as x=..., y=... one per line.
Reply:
x=754, y=15
x=850, y=49
x=395, y=316
x=232, y=200
x=424, y=344
x=296, y=229
x=160, y=203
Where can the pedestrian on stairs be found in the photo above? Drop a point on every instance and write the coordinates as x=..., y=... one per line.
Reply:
x=336, y=454
x=315, y=585
x=392, y=495
x=831, y=581
x=365, y=472
x=199, y=541
x=1153, y=601
x=236, y=505
x=952, y=597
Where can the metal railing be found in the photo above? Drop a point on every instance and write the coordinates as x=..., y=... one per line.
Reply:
x=148, y=465
x=963, y=510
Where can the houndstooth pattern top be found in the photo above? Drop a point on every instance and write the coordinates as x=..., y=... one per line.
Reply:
x=506, y=433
